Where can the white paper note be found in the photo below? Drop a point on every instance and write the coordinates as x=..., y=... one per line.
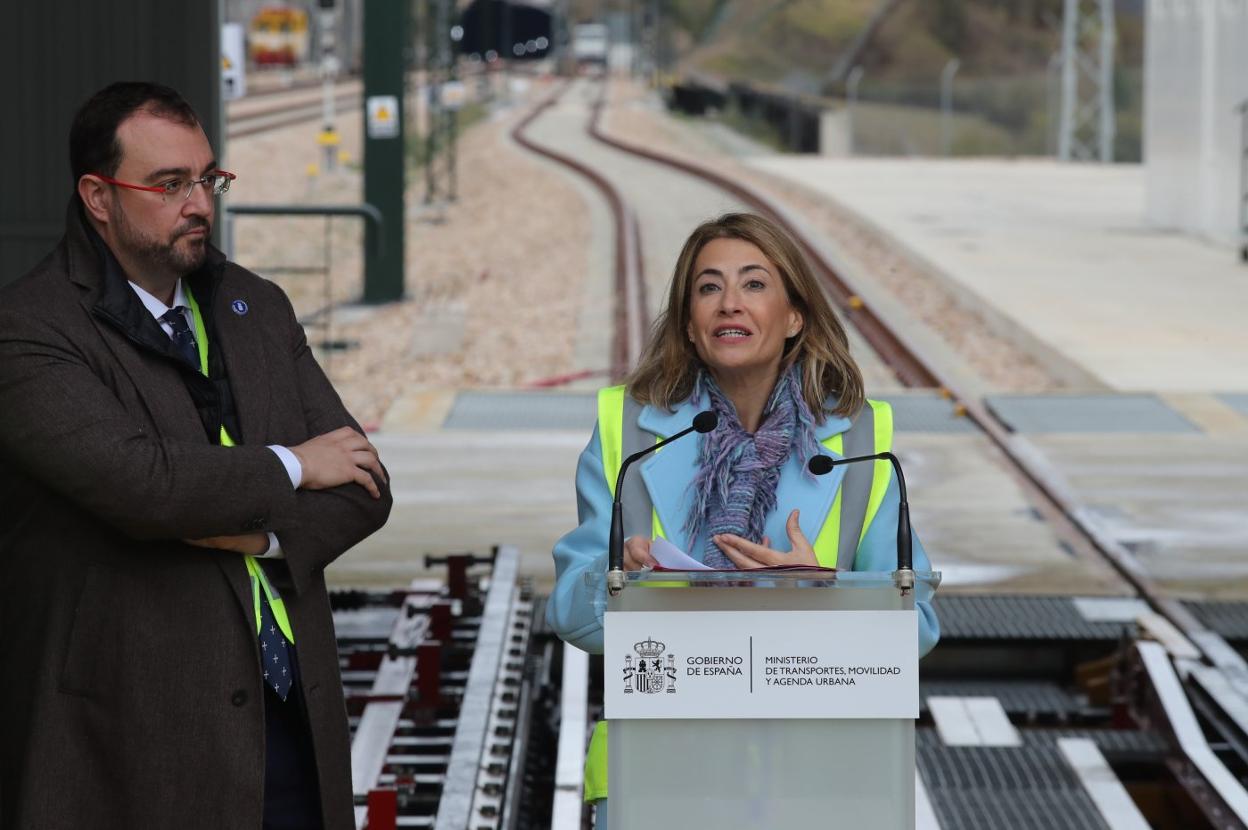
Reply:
x=673, y=558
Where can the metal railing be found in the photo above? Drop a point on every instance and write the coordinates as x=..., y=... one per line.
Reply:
x=322, y=316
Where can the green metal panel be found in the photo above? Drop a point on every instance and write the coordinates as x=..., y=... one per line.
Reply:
x=54, y=55
x=385, y=49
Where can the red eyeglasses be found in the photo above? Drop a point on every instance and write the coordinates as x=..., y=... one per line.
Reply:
x=218, y=181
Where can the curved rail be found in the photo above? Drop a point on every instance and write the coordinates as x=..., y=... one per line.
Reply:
x=631, y=314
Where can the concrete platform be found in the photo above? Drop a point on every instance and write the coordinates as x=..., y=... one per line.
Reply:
x=466, y=491
x=1062, y=254
x=1176, y=501
x=476, y=468
x=1054, y=250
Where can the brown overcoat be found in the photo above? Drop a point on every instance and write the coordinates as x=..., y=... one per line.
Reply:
x=130, y=693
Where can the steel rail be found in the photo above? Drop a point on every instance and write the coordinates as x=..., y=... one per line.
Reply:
x=1225, y=801
x=570, y=754
x=389, y=692
x=478, y=711
x=293, y=86
x=298, y=113
x=631, y=313
x=1072, y=522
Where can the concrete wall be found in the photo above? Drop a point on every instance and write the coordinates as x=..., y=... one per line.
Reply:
x=836, y=133
x=1196, y=75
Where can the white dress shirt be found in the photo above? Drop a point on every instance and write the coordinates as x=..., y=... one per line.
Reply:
x=158, y=309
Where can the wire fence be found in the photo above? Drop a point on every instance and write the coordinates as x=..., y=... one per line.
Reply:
x=997, y=116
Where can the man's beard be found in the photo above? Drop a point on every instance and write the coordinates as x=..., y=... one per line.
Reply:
x=163, y=256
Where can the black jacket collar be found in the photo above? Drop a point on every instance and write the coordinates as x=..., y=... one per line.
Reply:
x=93, y=265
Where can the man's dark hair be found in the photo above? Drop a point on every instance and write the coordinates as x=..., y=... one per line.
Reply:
x=93, y=144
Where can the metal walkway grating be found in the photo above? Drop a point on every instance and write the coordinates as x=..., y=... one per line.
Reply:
x=1032, y=786
x=987, y=788
x=1230, y=619
x=1019, y=698
x=1023, y=617
x=1088, y=413
x=1114, y=743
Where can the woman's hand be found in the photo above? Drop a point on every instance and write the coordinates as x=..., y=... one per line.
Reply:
x=637, y=554
x=746, y=554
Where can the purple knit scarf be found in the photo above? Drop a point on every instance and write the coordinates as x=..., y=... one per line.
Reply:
x=735, y=488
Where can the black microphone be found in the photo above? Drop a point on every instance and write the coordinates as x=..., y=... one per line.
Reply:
x=702, y=422
x=822, y=464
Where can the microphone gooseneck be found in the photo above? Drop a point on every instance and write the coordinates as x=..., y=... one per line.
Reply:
x=703, y=422
x=823, y=464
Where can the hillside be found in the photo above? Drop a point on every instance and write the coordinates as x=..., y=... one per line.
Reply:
x=800, y=42
x=808, y=46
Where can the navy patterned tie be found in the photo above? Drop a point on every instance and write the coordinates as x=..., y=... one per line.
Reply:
x=274, y=651
x=183, y=339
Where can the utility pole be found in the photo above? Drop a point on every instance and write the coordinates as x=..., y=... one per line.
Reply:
x=385, y=40
x=445, y=94
x=1053, y=83
x=1086, y=127
x=328, y=139
x=851, y=100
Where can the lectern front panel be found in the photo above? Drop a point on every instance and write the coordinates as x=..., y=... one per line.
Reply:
x=739, y=773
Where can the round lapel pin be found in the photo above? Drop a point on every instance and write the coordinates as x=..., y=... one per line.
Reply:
x=240, y=307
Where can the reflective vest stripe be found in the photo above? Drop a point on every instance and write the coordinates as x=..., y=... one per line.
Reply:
x=827, y=543
x=640, y=517
x=596, y=763
x=620, y=436
x=259, y=580
x=883, y=470
x=855, y=488
x=610, y=432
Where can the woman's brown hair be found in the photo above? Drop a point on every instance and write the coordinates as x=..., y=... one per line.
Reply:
x=669, y=365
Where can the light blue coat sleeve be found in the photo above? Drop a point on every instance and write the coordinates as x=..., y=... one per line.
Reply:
x=575, y=609
x=878, y=552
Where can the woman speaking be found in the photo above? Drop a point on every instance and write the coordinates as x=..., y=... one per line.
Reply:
x=747, y=333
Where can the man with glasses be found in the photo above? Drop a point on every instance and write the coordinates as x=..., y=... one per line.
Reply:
x=175, y=474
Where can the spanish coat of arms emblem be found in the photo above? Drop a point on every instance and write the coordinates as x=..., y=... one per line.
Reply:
x=650, y=674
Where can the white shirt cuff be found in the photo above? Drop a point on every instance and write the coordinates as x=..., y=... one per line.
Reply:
x=293, y=468
x=275, y=549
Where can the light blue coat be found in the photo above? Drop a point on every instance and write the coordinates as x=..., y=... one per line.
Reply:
x=575, y=609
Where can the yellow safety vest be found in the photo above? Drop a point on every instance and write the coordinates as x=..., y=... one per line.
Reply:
x=611, y=436
x=259, y=582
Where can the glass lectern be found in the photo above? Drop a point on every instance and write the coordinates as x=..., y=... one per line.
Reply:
x=712, y=678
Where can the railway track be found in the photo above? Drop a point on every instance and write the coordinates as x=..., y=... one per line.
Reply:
x=276, y=109
x=441, y=686
x=630, y=282
x=1152, y=685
